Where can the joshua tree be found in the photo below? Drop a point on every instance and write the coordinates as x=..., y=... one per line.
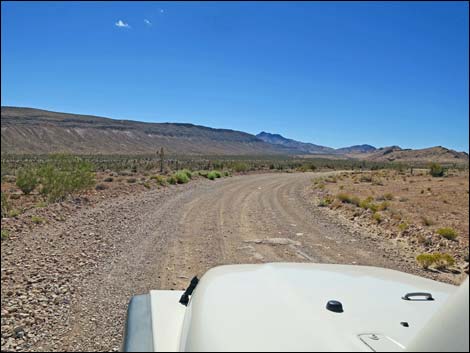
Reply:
x=161, y=154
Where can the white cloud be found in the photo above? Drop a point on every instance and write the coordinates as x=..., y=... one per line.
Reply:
x=147, y=22
x=122, y=24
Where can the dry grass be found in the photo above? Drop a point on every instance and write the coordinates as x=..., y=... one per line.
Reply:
x=431, y=211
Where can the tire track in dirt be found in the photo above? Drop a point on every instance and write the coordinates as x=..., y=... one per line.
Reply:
x=160, y=239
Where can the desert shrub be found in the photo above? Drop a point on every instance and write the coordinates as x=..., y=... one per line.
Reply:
x=214, y=174
x=188, y=173
x=436, y=170
x=108, y=179
x=5, y=205
x=366, y=179
x=14, y=213
x=62, y=175
x=203, y=173
x=438, y=260
x=306, y=168
x=447, y=233
x=147, y=185
x=161, y=180
x=444, y=260
x=364, y=203
x=425, y=260
x=383, y=206
x=403, y=226
x=377, y=217
x=181, y=177
x=426, y=221
x=27, y=180
x=240, y=167
x=388, y=196
x=37, y=219
x=325, y=202
x=40, y=204
x=368, y=204
x=346, y=198
x=172, y=180
x=378, y=182
x=227, y=173
x=5, y=234
x=100, y=187
x=131, y=180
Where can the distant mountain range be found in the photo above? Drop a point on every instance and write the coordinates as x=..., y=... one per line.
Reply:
x=34, y=131
x=310, y=148
x=27, y=130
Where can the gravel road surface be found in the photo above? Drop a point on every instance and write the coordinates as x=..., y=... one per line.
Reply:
x=66, y=285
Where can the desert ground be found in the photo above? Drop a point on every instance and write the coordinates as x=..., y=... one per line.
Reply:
x=70, y=268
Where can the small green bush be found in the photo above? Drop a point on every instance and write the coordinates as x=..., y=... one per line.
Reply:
x=240, y=167
x=368, y=204
x=403, y=226
x=388, y=196
x=438, y=260
x=436, y=170
x=306, y=168
x=377, y=217
x=37, y=219
x=325, y=202
x=188, y=173
x=161, y=180
x=62, y=175
x=425, y=260
x=447, y=233
x=5, y=234
x=383, y=206
x=214, y=174
x=181, y=177
x=345, y=198
x=172, y=180
x=147, y=185
x=27, y=180
x=14, y=213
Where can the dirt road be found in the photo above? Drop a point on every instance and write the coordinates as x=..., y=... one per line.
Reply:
x=102, y=255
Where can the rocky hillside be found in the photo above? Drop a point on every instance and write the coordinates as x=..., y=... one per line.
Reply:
x=34, y=131
x=435, y=154
x=26, y=130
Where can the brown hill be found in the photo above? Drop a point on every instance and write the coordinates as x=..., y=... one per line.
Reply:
x=28, y=131
x=437, y=154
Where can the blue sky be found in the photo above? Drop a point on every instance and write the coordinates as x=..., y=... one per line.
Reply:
x=334, y=74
